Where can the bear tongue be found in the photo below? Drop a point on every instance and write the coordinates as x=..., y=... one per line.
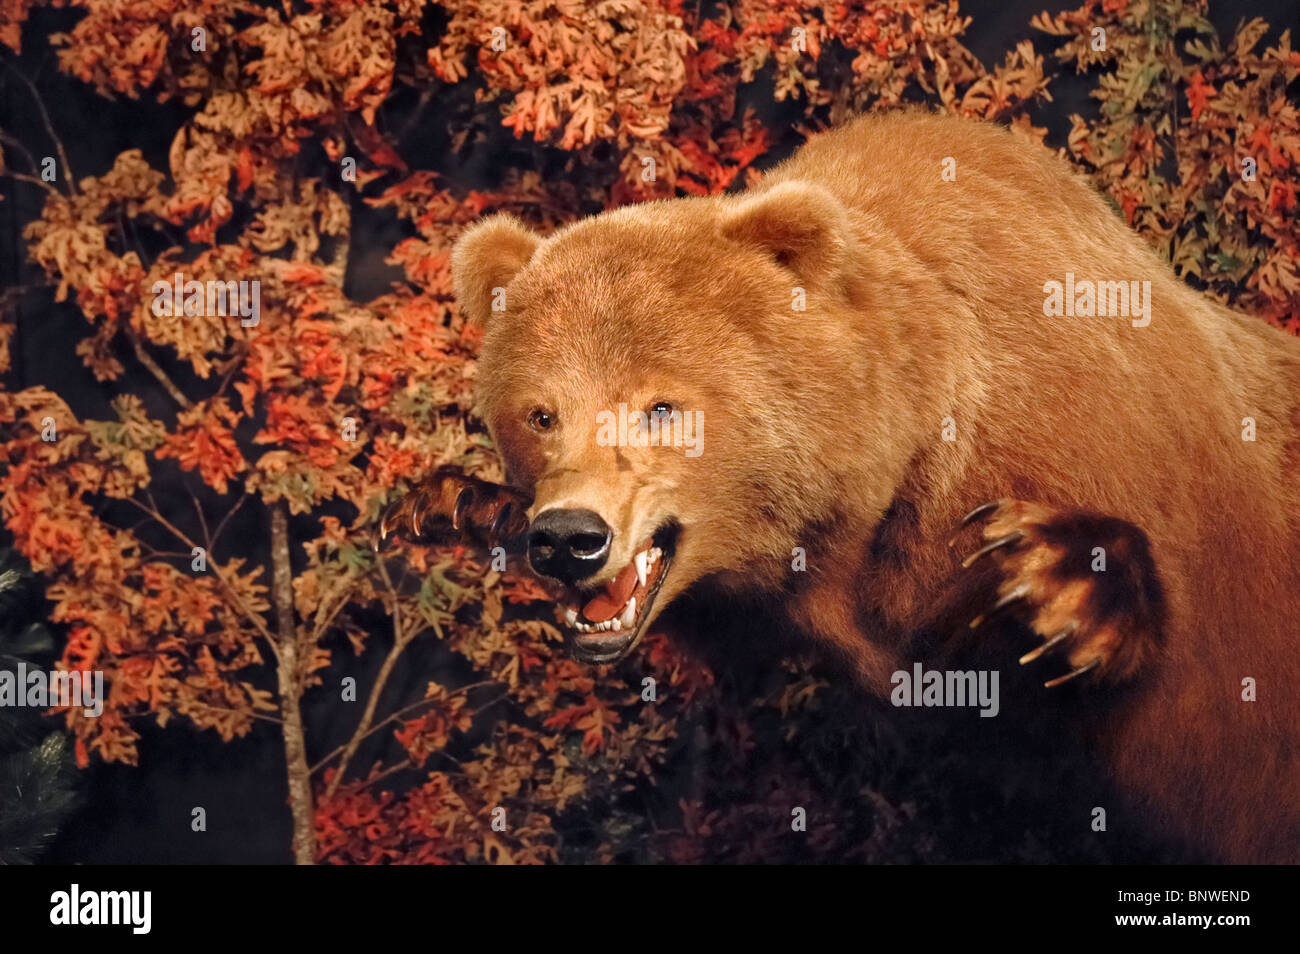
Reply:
x=609, y=601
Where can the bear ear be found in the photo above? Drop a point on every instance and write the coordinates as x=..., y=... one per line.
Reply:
x=487, y=257
x=800, y=224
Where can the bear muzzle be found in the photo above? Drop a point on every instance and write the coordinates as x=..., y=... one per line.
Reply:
x=605, y=622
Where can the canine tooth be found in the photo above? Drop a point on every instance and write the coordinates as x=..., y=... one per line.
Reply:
x=570, y=616
x=629, y=615
x=641, y=567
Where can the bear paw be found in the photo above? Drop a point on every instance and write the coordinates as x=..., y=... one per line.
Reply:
x=450, y=502
x=1083, y=582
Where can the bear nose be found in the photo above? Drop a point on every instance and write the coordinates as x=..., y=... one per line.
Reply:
x=568, y=545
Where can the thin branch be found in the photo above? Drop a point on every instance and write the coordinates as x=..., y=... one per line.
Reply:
x=203, y=523
x=258, y=623
x=232, y=366
x=323, y=621
x=204, y=705
x=49, y=126
x=406, y=763
x=391, y=770
x=401, y=712
x=127, y=225
x=221, y=525
x=22, y=148
x=255, y=715
x=401, y=637
x=20, y=177
x=17, y=143
x=153, y=367
x=165, y=554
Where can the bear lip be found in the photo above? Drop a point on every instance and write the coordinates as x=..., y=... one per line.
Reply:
x=603, y=625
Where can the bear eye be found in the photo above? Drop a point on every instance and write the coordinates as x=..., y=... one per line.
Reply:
x=661, y=410
x=540, y=419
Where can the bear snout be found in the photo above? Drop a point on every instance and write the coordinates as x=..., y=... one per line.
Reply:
x=568, y=545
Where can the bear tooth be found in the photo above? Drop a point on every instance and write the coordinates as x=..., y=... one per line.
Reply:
x=641, y=567
x=570, y=616
x=629, y=614
x=616, y=624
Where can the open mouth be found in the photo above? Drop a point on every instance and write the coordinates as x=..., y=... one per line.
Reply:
x=605, y=623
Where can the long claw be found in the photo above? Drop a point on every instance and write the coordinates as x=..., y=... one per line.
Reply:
x=975, y=514
x=1020, y=592
x=463, y=501
x=1010, y=538
x=386, y=524
x=980, y=511
x=505, y=522
x=1086, y=667
x=1047, y=646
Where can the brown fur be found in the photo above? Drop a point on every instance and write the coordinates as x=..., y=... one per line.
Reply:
x=925, y=302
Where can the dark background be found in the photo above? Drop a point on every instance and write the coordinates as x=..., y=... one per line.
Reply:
x=142, y=814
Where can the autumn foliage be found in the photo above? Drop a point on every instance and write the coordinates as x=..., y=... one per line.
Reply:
x=322, y=413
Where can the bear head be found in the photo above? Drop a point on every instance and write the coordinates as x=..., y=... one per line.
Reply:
x=649, y=376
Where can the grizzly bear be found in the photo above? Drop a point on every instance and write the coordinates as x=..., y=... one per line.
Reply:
x=914, y=326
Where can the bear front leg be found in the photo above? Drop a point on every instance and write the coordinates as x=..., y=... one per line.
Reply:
x=1084, y=582
x=450, y=502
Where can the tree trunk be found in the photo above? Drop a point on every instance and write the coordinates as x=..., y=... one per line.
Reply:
x=290, y=677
